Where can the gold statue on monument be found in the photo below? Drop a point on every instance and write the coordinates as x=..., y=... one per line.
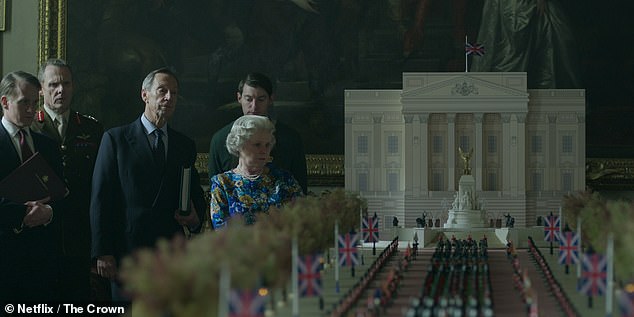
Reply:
x=466, y=157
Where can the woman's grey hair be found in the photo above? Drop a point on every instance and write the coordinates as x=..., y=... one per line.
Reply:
x=244, y=128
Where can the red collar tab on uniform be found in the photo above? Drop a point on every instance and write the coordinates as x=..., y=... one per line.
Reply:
x=40, y=116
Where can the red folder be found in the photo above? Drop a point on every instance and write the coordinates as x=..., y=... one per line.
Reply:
x=33, y=180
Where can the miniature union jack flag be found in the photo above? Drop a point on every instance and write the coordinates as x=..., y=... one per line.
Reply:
x=246, y=304
x=348, y=249
x=551, y=228
x=568, y=248
x=477, y=49
x=593, y=274
x=626, y=301
x=309, y=278
x=370, y=229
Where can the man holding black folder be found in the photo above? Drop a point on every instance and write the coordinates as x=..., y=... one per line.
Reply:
x=29, y=262
x=136, y=185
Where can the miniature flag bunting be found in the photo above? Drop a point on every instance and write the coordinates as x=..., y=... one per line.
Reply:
x=568, y=248
x=476, y=49
x=370, y=229
x=246, y=304
x=309, y=277
x=348, y=249
x=551, y=228
x=593, y=274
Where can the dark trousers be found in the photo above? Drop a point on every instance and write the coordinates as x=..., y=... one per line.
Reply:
x=75, y=278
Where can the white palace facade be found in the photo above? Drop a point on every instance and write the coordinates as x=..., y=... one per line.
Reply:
x=401, y=146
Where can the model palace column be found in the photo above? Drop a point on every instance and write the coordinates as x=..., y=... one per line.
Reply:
x=451, y=152
x=478, y=158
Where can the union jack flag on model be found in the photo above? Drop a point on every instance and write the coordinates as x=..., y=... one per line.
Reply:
x=593, y=274
x=568, y=248
x=309, y=278
x=477, y=49
x=370, y=229
x=348, y=249
x=551, y=228
x=246, y=303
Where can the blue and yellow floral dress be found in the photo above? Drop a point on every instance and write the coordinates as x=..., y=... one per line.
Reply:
x=232, y=194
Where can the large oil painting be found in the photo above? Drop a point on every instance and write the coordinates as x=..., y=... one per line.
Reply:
x=314, y=49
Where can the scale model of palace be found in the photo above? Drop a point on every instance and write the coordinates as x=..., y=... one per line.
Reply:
x=402, y=147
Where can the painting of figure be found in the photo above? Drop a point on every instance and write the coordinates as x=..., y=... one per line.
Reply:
x=315, y=49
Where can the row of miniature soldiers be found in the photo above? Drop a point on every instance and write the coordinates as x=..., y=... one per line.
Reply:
x=454, y=285
x=461, y=249
x=455, y=279
x=449, y=307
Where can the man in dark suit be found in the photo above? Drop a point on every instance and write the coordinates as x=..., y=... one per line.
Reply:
x=78, y=136
x=255, y=95
x=136, y=181
x=28, y=238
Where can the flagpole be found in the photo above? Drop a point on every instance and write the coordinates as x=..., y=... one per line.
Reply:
x=610, y=275
x=294, y=277
x=579, y=247
x=552, y=224
x=224, y=286
x=561, y=220
x=337, y=256
x=466, y=56
x=361, y=231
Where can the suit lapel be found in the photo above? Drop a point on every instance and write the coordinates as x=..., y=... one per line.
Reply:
x=11, y=160
x=138, y=140
x=49, y=129
x=72, y=127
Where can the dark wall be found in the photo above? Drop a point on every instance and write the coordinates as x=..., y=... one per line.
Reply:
x=313, y=57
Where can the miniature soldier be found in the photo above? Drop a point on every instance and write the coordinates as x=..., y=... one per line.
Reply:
x=508, y=220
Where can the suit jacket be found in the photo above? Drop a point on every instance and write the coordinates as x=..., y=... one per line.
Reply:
x=79, y=151
x=288, y=153
x=133, y=203
x=29, y=259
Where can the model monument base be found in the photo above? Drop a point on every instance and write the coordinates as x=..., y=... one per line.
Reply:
x=466, y=210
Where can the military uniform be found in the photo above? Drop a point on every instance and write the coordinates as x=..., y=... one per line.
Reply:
x=79, y=149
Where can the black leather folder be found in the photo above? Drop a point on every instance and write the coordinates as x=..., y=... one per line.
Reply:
x=33, y=180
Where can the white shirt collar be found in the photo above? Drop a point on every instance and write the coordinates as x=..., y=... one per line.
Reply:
x=11, y=128
x=150, y=127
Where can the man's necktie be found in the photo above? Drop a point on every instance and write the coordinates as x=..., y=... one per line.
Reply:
x=159, y=148
x=24, y=146
x=59, y=124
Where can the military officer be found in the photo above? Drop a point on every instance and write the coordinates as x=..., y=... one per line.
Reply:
x=79, y=136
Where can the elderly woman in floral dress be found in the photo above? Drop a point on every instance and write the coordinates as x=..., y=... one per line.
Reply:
x=255, y=184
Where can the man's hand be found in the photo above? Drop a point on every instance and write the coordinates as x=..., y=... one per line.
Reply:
x=191, y=220
x=107, y=266
x=37, y=213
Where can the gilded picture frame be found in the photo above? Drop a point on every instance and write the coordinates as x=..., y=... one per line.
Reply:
x=602, y=172
x=3, y=15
